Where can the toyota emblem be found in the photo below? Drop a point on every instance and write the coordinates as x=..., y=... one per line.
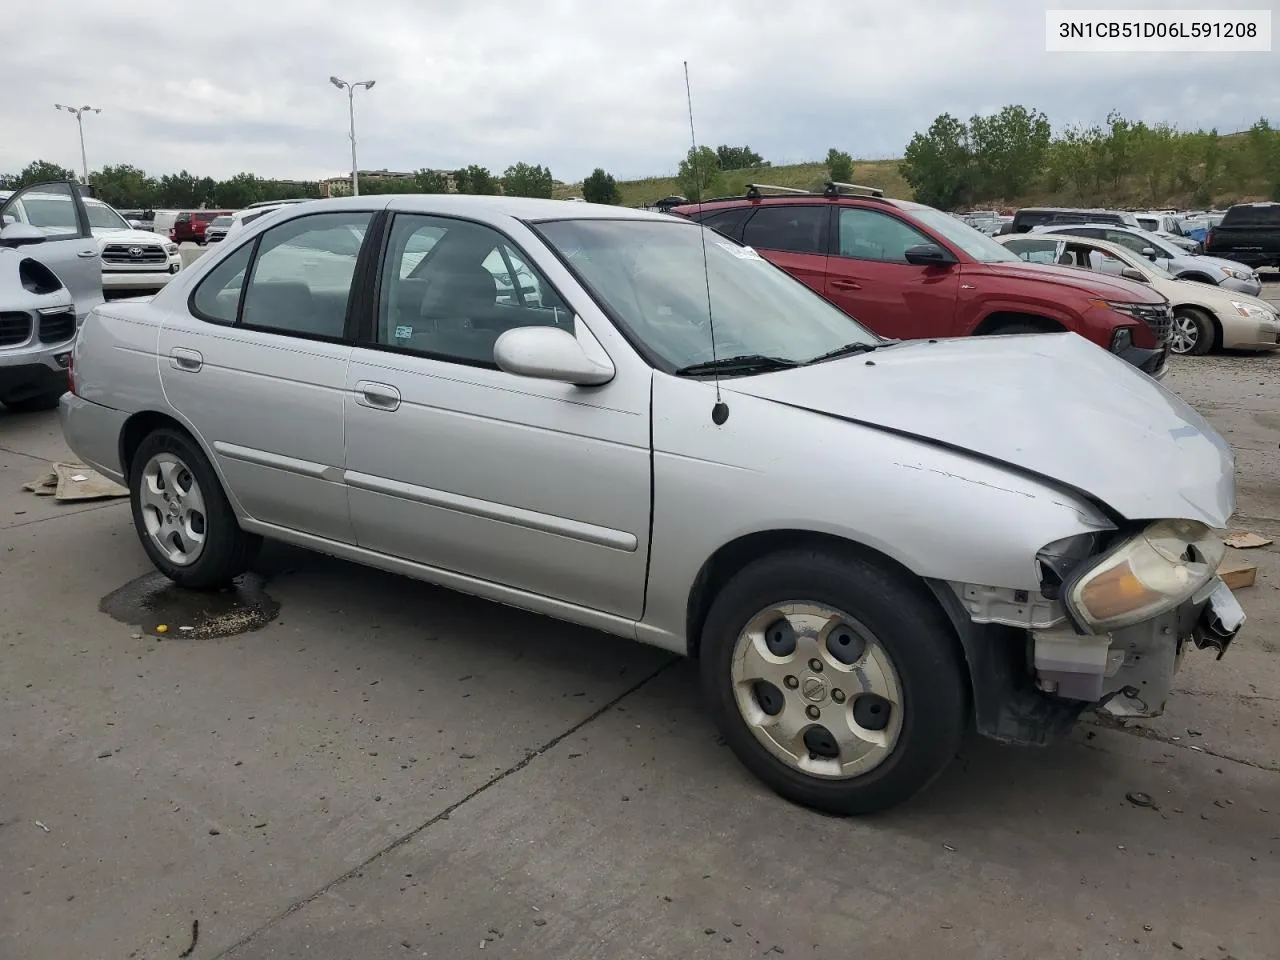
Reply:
x=135, y=252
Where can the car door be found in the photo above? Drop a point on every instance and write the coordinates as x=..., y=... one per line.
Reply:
x=69, y=250
x=533, y=484
x=793, y=236
x=258, y=367
x=869, y=278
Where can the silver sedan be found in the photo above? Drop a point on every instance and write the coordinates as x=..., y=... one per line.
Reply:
x=627, y=421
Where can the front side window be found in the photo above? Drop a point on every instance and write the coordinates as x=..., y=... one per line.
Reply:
x=102, y=217
x=729, y=222
x=798, y=229
x=648, y=276
x=450, y=288
x=1128, y=240
x=871, y=235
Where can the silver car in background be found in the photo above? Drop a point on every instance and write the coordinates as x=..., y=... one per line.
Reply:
x=1182, y=265
x=864, y=543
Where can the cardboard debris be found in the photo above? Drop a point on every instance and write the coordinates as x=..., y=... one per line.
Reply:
x=1237, y=574
x=1245, y=541
x=75, y=481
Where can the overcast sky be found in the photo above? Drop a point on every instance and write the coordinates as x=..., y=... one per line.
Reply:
x=220, y=86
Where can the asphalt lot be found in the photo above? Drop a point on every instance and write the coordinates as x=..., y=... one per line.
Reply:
x=391, y=770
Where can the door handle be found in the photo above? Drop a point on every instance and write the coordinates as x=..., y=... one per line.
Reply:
x=87, y=254
x=180, y=358
x=846, y=284
x=377, y=396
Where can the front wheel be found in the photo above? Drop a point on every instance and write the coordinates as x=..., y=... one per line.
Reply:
x=837, y=683
x=1193, y=333
x=183, y=518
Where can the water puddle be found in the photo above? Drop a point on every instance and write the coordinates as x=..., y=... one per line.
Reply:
x=163, y=609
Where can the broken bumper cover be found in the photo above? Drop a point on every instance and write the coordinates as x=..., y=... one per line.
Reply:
x=1129, y=672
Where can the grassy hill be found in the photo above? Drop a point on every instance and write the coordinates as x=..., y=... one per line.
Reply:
x=807, y=176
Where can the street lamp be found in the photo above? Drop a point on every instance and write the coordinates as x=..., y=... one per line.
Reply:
x=351, y=103
x=80, y=112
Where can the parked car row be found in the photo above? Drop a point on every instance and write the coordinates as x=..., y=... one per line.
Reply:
x=651, y=430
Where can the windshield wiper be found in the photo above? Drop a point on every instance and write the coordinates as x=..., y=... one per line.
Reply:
x=849, y=350
x=744, y=363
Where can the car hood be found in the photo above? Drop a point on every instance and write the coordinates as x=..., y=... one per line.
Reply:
x=108, y=235
x=1102, y=285
x=1053, y=405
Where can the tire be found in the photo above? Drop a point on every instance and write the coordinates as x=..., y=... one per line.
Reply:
x=1193, y=333
x=201, y=544
x=895, y=621
x=41, y=401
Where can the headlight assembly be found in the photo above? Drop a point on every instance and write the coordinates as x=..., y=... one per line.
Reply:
x=1145, y=576
x=1252, y=311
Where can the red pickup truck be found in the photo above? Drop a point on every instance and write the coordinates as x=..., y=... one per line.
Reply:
x=909, y=271
x=191, y=224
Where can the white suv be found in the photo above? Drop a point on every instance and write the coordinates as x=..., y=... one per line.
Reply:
x=132, y=260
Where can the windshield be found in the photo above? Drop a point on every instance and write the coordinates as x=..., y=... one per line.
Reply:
x=221, y=222
x=102, y=217
x=650, y=276
x=976, y=244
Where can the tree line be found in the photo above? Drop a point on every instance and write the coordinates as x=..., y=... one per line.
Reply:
x=1012, y=155
x=127, y=187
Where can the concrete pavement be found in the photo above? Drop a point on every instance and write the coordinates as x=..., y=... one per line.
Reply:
x=392, y=770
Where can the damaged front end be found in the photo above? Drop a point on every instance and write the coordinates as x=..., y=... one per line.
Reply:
x=1107, y=630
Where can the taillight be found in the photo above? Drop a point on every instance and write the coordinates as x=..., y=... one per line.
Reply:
x=71, y=371
x=1208, y=237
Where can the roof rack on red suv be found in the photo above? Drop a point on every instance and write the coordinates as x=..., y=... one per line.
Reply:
x=909, y=271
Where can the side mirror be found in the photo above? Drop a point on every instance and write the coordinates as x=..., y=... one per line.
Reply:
x=1133, y=273
x=136, y=224
x=1149, y=252
x=928, y=255
x=549, y=353
x=20, y=234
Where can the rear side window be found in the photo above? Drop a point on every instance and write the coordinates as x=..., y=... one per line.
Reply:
x=1024, y=220
x=1035, y=251
x=728, y=222
x=1247, y=215
x=799, y=229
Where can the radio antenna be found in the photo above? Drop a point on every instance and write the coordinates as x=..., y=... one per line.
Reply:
x=720, y=410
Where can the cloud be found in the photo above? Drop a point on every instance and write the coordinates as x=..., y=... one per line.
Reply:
x=217, y=88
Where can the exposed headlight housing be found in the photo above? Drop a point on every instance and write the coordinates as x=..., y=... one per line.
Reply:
x=1252, y=311
x=1121, y=339
x=171, y=248
x=1144, y=576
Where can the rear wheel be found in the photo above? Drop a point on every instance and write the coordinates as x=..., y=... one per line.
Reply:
x=833, y=681
x=1193, y=333
x=182, y=516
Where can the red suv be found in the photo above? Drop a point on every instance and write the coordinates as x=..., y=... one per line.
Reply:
x=191, y=224
x=909, y=271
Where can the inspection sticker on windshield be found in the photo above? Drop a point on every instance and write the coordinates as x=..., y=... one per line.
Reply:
x=404, y=333
x=742, y=253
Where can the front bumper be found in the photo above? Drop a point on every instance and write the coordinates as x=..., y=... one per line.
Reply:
x=1252, y=287
x=1129, y=673
x=1152, y=361
x=141, y=279
x=34, y=372
x=1251, y=334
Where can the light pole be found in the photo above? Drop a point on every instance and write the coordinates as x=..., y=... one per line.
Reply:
x=351, y=103
x=80, y=112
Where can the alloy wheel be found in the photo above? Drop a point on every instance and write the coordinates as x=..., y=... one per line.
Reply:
x=173, y=509
x=1186, y=334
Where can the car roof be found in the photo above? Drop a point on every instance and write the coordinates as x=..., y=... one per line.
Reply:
x=792, y=199
x=519, y=208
